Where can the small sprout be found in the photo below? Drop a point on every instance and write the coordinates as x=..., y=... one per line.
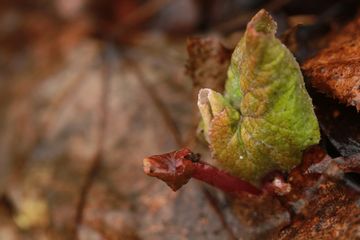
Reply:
x=265, y=120
x=262, y=123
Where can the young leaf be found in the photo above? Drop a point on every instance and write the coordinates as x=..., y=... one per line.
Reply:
x=266, y=118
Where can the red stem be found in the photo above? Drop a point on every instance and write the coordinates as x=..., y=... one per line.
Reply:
x=176, y=168
x=222, y=180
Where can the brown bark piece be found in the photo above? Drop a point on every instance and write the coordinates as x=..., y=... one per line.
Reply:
x=333, y=213
x=335, y=70
x=325, y=207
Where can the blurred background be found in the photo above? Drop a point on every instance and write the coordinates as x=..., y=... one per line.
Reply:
x=89, y=88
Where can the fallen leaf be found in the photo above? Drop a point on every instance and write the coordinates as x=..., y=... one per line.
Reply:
x=334, y=70
x=207, y=63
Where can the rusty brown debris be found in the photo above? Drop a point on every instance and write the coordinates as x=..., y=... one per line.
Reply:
x=335, y=70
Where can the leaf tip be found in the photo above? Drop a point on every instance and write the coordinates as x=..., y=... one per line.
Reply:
x=262, y=23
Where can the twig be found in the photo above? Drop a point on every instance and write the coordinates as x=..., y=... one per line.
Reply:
x=169, y=121
x=98, y=157
x=337, y=167
x=214, y=203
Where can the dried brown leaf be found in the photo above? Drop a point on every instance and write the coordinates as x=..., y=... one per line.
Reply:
x=335, y=69
x=208, y=62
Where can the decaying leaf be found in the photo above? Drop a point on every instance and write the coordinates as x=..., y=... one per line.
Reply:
x=266, y=118
x=335, y=70
x=207, y=63
x=325, y=207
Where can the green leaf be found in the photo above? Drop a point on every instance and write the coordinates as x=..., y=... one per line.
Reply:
x=266, y=118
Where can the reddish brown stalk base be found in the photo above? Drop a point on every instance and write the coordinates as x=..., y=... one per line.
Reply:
x=222, y=180
x=176, y=168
